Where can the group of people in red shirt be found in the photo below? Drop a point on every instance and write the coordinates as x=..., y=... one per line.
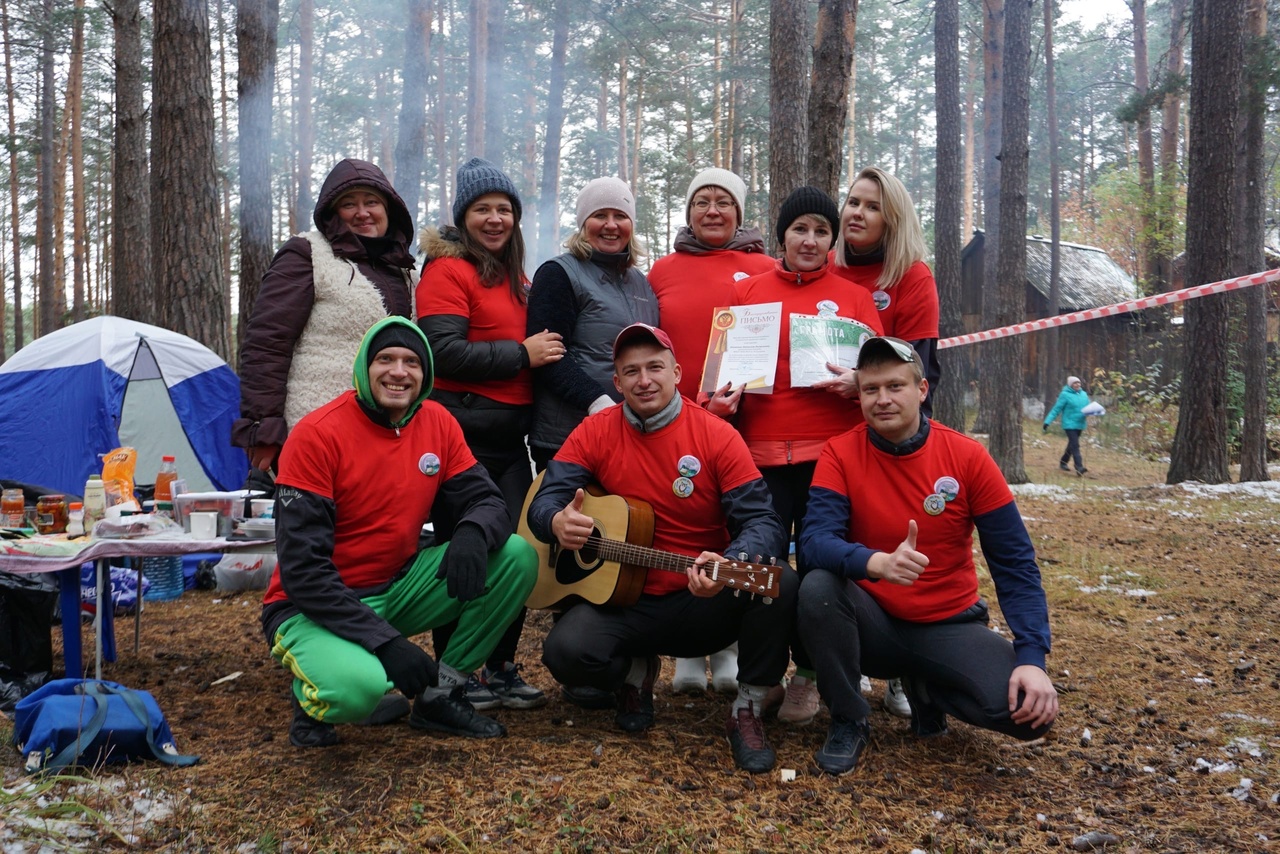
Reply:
x=598, y=368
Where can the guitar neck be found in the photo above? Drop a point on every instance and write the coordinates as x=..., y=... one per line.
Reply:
x=620, y=552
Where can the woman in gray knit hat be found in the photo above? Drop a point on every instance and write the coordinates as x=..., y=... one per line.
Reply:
x=472, y=304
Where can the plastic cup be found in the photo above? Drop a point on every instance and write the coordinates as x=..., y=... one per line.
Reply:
x=204, y=526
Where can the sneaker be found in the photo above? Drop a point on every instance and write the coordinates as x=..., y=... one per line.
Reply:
x=635, y=705
x=513, y=692
x=481, y=697
x=895, y=699
x=392, y=707
x=724, y=670
x=306, y=731
x=691, y=676
x=451, y=713
x=846, y=739
x=865, y=686
x=586, y=697
x=1081, y=472
x=801, y=703
x=1064, y=467
x=751, y=750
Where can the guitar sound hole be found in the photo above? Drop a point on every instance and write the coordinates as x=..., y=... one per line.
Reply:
x=573, y=567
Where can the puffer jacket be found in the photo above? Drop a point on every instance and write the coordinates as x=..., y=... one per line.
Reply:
x=1068, y=405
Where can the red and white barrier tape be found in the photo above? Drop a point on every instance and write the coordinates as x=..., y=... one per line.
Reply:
x=1118, y=308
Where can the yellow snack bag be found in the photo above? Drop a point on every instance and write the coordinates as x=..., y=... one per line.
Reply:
x=117, y=475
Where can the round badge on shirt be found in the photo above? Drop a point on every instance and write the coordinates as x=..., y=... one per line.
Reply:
x=935, y=504
x=682, y=487
x=948, y=487
x=881, y=299
x=828, y=308
x=429, y=464
x=689, y=466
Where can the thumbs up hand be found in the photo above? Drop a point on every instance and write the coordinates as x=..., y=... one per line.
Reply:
x=904, y=565
x=571, y=526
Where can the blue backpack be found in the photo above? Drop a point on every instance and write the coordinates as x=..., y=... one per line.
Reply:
x=89, y=722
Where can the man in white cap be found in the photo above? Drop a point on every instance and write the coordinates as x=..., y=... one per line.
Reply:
x=712, y=252
x=708, y=499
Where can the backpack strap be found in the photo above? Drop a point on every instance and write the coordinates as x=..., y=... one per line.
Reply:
x=68, y=755
x=164, y=753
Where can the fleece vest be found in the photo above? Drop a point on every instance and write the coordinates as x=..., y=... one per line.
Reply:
x=346, y=305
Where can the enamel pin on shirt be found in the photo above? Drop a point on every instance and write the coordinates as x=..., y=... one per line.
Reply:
x=429, y=464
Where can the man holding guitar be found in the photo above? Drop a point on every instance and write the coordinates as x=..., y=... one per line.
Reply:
x=708, y=499
x=891, y=588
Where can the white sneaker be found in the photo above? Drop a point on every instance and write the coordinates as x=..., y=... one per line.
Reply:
x=691, y=676
x=865, y=686
x=801, y=703
x=724, y=670
x=895, y=699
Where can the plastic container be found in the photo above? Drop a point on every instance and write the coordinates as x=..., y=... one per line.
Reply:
x=165, y=575
x=75, y=519
x=164, y=480
x=95, y=502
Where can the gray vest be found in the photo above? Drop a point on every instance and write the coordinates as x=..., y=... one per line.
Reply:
x=606, y=303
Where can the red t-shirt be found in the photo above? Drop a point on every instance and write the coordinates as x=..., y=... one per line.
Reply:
x=791, y=414
x=909, y=309
x=688, y=288
x=645, y=466
x=451, y=286
x=384, y=485
x=887, y=491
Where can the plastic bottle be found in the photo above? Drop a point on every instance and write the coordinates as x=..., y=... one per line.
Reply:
x=75, y=519
x=164, y=480
x=95, y=502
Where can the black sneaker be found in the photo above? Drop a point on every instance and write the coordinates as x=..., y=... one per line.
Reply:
x=635, y=705
x=306, y=731
x=451, y=713
x=846, y=739
x=586, y=697
x=1064, y=467
x=1081, y=472
x=392, y=707
x=751, y=750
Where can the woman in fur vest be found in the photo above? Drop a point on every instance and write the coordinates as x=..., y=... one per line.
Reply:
x=323, y=290
x=473, y=304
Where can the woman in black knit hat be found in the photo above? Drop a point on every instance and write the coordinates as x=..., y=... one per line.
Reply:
x=472, y=304
x=787, y=428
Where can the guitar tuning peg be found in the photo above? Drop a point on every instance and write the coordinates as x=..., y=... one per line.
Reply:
x=742, y=555
x=773, y=561
x=737, y=593
x=757, y=559
x=768, y=600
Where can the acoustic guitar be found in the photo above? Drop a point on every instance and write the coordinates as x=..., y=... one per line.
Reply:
x=610, y=568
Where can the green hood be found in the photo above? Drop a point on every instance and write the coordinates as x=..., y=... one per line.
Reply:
x=360, y=370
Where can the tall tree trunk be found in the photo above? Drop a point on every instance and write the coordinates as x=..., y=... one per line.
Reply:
x=992, y=108
x=185, y=228
x=788, y=102
x=549, y=189
x=256, y=24
x=1005, y=441
x=302, y=109
x=411, y=138
x=1053, y=367
x=737, y=91
x=829, y=90
x=1169, y=165
x=1217, y=55
x=623, y=157
x=1249, y=238
x=1148, y=244
x=970, y=145
x=79, y=225
x=948, y=397
x=45, y=299
x=224, y=157
x=443, y=160
x=717, y=94
x=637, y=132
x=15, y=220
x=477, y=79
x=132, y=288
x=495, y=85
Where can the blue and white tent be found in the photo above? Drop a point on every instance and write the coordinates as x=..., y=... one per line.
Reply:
x=75, y=394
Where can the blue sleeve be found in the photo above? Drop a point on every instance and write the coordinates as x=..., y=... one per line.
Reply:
x=1012, y=561
x=824, y=542
x=1058, y=406
x=754, y=526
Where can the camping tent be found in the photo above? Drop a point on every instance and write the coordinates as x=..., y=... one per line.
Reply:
x=75, y=394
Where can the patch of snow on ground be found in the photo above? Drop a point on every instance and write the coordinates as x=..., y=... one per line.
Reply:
x=1044, y=490
x=1270, y=490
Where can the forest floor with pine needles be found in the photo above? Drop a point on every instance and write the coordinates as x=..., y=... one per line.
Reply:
x=1166, y=655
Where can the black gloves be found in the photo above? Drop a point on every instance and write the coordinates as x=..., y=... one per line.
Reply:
x=408, y=666
x=465, y=563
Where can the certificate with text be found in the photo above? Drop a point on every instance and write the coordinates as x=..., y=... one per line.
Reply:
x=743, y=348
x=818, y=339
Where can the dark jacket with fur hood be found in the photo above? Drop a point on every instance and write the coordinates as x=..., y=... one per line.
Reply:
x=288, y=293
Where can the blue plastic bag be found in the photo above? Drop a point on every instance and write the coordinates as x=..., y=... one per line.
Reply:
x=89, y=722
x=123, y=590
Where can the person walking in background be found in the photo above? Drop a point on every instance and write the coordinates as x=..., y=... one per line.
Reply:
x=881, y=247
x=786, y=430
x=711, y=252
x=322, y=291
x=472, y=306
x=1071, y=400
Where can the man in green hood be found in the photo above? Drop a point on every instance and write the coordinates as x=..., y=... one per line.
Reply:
x=358, y=478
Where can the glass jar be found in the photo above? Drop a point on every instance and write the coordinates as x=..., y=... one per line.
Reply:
x=51, y=514
x=12, y=508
